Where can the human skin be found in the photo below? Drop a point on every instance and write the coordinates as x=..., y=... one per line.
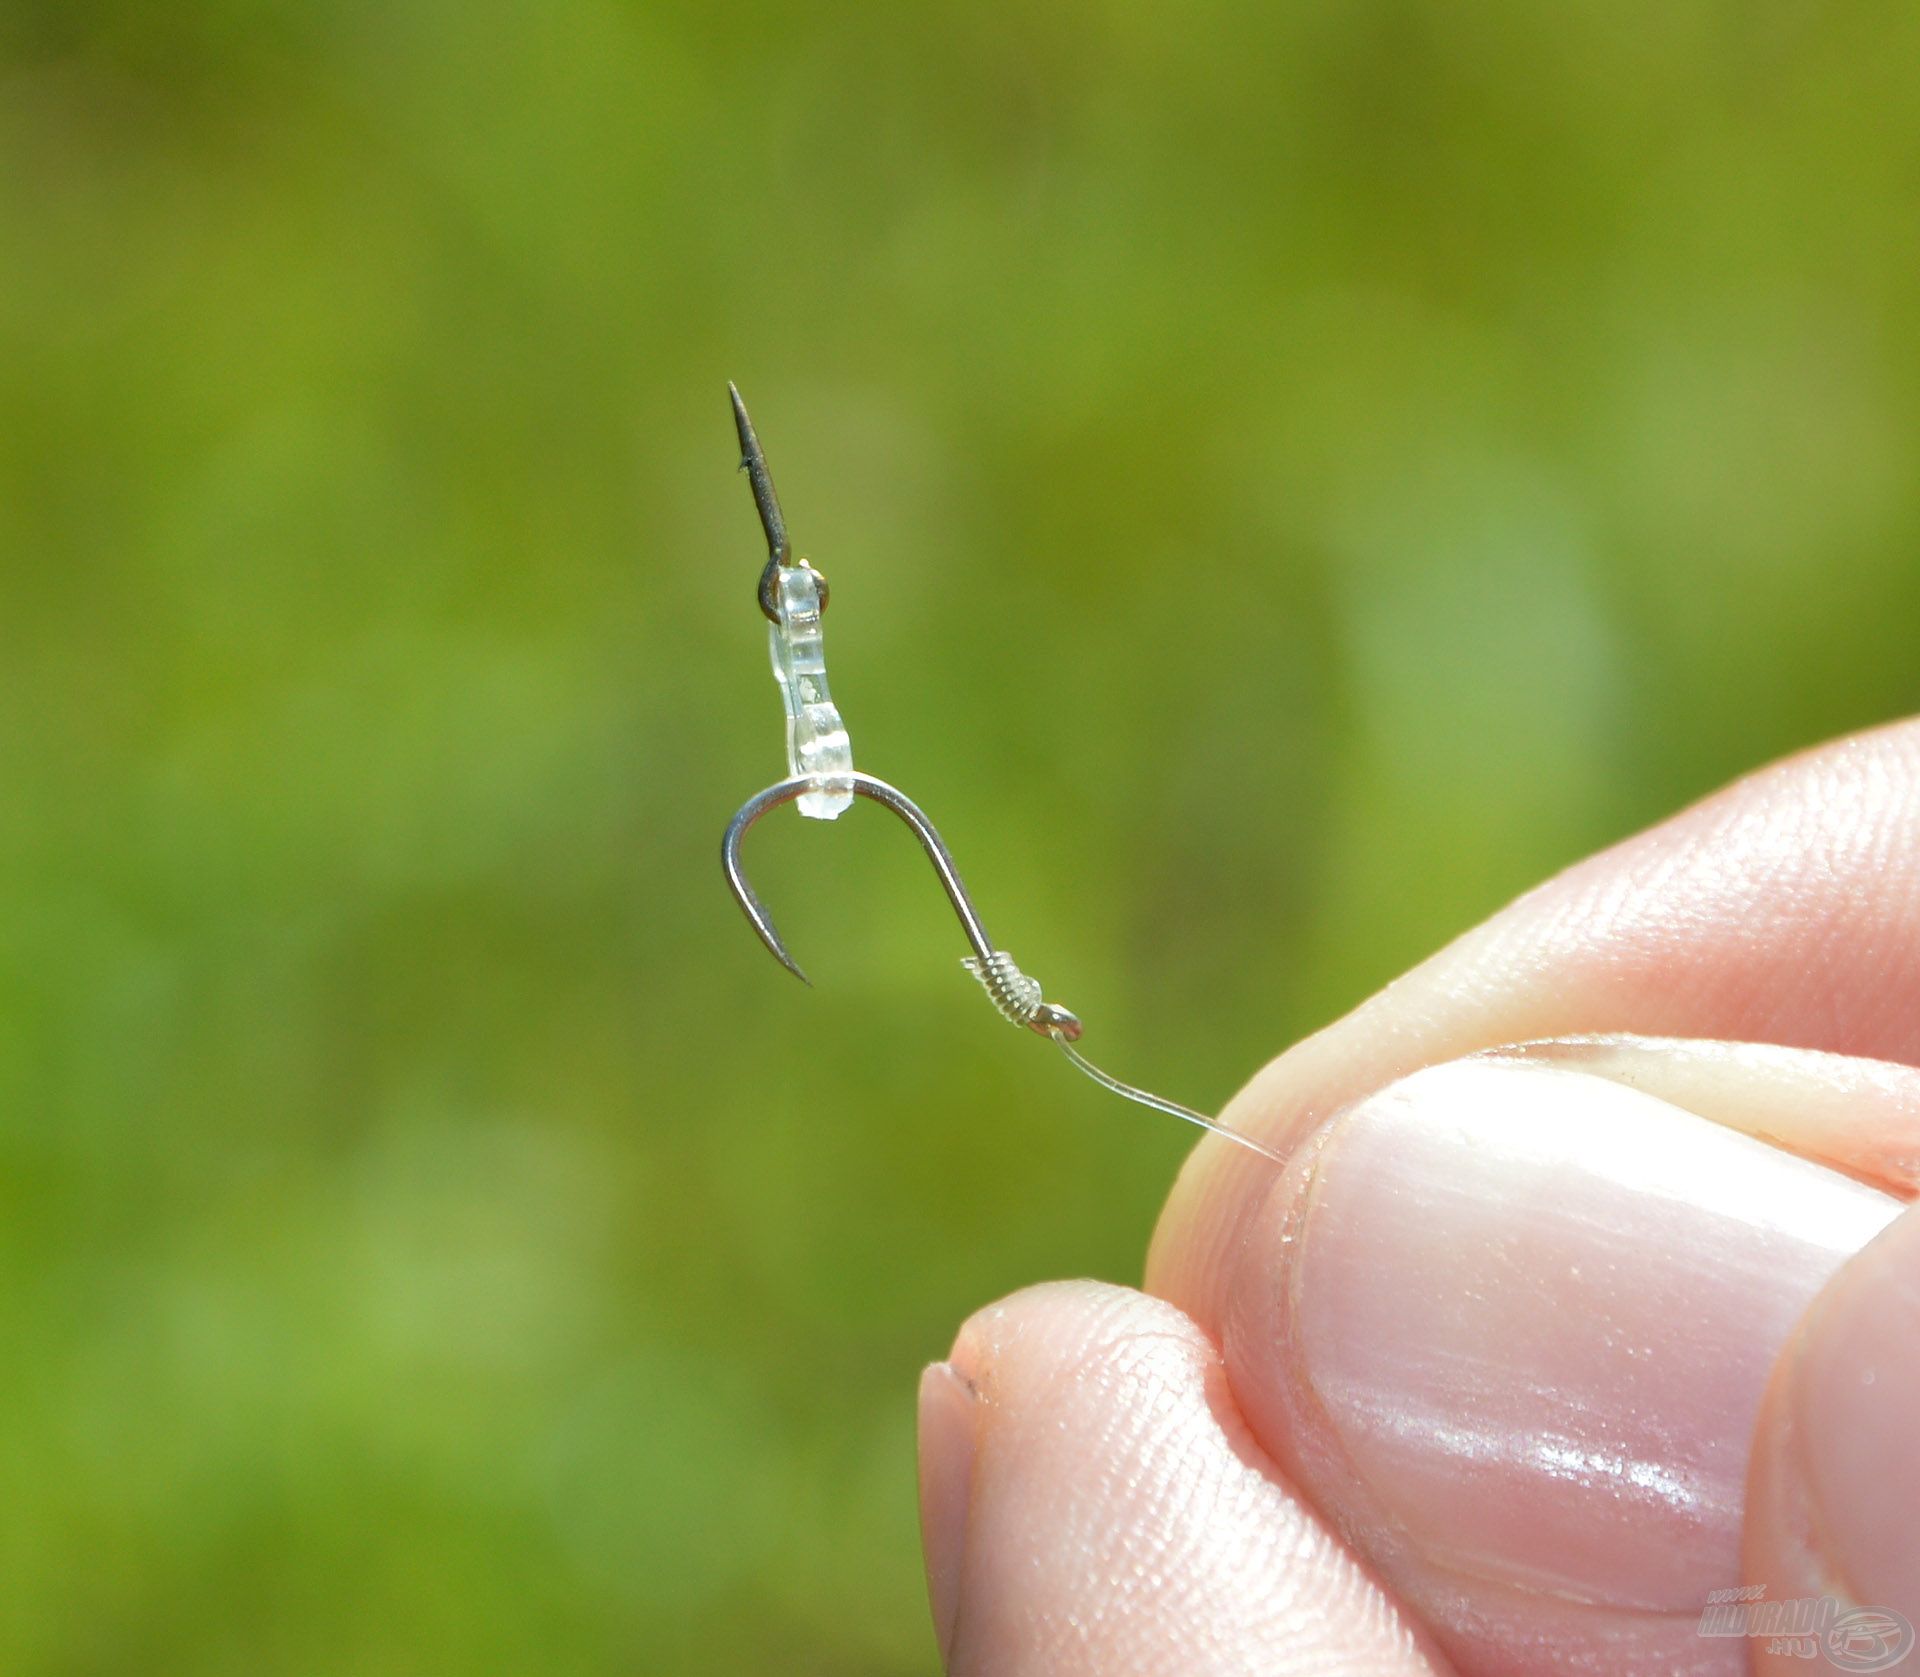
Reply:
x=1588, y=1288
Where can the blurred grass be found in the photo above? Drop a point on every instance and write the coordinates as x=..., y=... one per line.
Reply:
x=1291, y=477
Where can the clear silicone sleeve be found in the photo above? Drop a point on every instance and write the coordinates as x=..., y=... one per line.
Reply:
x=817, y=742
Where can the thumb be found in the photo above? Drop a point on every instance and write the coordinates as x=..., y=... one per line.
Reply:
x=1509, y=1322
x=1833, y=1501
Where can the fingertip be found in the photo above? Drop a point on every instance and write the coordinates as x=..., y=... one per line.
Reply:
x=948, y=1426
x=1052, y=1328
x=1116, y=1515
x=1835, y=1475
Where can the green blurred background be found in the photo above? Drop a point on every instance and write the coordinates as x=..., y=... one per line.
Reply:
x=1290, y=475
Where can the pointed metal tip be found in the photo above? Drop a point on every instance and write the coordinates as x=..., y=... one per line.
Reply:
x=743, y=427
x=764, y=499
x=766, y=502
x=750, y=455
x=775, y=945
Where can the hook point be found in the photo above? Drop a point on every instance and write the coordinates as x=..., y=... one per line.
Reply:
x=792, y=966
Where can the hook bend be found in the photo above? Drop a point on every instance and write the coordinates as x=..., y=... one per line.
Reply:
x=991, y=966
x=1016, y=996
x=888, y=797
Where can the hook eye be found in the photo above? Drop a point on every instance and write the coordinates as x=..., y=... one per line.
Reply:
x=770, y=588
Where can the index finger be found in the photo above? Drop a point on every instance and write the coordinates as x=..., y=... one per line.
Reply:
x=1783, y=909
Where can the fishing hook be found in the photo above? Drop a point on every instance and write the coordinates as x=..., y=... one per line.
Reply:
x=792, y=597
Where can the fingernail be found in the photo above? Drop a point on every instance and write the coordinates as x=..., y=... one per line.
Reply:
x=946, y=1483
x=1854, y=1419
x=1855, y=1115
x=1527, y=1316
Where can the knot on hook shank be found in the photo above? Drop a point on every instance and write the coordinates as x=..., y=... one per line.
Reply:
x=1018, y=999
